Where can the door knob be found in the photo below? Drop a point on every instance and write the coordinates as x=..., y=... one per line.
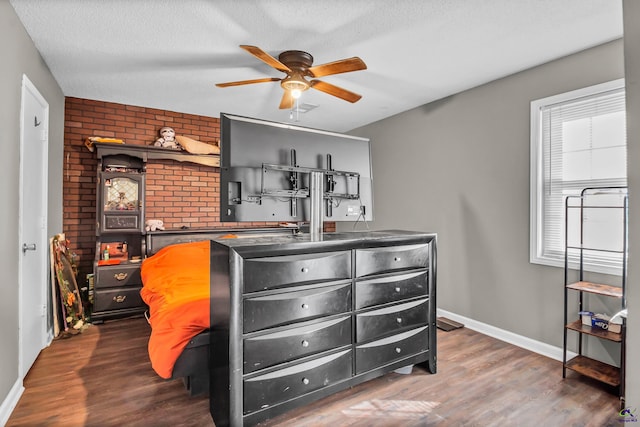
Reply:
x=31, y=247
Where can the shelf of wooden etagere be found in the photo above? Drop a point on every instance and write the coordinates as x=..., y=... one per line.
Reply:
x=595, y=369
x=600, y=333
x=597, y=288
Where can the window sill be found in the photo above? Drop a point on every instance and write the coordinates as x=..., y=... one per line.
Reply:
x=602, y=268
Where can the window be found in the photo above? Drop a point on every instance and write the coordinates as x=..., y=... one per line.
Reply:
x=578, y=140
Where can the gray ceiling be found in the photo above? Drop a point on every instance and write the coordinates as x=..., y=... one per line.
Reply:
x=168, y=54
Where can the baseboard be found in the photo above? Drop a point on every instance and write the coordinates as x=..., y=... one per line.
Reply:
x=11, y=401
x=506, y=336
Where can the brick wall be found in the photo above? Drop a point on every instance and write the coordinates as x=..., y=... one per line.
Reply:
x=181, y=194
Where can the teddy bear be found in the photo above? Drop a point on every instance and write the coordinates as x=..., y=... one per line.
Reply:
x=154, y=224
x=167, y=139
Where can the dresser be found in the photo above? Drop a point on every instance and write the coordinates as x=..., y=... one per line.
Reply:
x=119, y=236
x=295, y=320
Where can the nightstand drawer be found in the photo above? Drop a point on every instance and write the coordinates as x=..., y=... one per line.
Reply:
x=378, y=353
x=391, y=288
x=380, y=322
x=118, y=276
x=274, y=272
x=117, y=299
x=270, y=349
x=297, y=380
x=382, y=260
x=294, y=306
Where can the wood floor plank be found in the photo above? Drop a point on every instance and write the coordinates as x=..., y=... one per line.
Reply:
x=103, y=377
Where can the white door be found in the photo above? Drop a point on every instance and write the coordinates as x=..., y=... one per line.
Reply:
x=33, y=303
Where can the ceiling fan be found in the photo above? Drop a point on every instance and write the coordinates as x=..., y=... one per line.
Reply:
x=298, y=66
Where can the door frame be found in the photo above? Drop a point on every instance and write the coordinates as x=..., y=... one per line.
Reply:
x=28, y=88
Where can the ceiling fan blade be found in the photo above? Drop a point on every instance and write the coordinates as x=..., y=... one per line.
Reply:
x=338, y=67
x=335, y=91
x=248, y=82
x=287, y=100
x=266, y=58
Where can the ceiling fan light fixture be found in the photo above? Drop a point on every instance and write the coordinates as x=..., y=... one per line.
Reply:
x=295, y=84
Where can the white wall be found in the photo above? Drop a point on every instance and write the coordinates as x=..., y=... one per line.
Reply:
x=21, y=57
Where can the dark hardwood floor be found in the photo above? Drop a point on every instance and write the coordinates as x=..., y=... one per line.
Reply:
x=102, y=377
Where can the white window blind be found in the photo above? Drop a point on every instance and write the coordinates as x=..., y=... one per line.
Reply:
x=578, y=141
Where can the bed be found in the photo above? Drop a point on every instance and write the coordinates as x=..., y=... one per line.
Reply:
x=175, y=277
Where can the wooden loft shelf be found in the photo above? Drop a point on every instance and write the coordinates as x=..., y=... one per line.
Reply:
x=146, y=152
x=596, y=288
x=592, y=368
x=600, y=333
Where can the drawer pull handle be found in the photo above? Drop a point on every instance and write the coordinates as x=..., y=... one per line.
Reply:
x=305, y=306
x=397, y=288
x=397, y=259
x=305, y=343
x=120, y=276
x=399, y=319
x=305, y=381
x=120, y=298
x=305, y=269
x=398, y=350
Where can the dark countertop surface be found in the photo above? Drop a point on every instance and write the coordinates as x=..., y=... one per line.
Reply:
x=329, y=241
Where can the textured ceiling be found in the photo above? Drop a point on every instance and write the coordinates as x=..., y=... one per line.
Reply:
x=168, y=54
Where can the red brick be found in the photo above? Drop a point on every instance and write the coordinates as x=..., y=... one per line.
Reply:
x=179, y=193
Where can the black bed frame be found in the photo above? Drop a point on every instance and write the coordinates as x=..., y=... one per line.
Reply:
x=193, y=364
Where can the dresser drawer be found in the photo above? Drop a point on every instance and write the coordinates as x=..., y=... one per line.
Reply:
x=274, y=272
x=296, y=305
x=118, y=276
x=271, y=349
x=378, y=353
x=376, y=323
x=117, y=299
x=279, y=386
x=381, y=260
x=391, y=288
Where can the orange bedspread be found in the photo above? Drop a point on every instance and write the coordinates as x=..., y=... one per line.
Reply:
x=176, y=289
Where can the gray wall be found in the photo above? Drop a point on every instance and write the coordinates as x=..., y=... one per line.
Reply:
x=632, y=74
x=460, y=167
x=21, y=57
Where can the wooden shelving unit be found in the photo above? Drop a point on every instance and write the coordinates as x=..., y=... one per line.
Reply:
x=147, y=152
x=582, y=364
